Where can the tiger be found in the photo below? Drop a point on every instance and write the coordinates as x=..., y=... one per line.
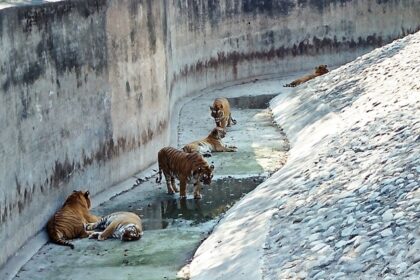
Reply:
x=125, y=226
x=319, y=70
x=68, y=222
x=212, y=143
x=185, y=167
x=220, y=111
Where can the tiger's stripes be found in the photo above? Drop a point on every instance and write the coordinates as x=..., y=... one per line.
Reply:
x=185, y=167
x=68, y=222
x=125, y=226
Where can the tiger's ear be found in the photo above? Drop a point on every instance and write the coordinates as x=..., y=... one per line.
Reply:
x=87, y=194
x=74, y=191
x=212, y=167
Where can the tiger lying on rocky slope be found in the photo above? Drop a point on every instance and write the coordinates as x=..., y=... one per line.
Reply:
x=184, y=166
x=68, y=222
x=125, y=226
x=319, y=70
x=212, y=143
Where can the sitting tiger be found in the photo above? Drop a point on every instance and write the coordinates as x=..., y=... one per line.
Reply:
x=220, y=111
x=319, y=70
x=212, y=143
x=184, y=166
x=125, y=226
x=68, y=222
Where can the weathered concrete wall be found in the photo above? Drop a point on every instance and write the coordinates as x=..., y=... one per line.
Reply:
x=82, y=94
x=87, y=87
x=214, y=41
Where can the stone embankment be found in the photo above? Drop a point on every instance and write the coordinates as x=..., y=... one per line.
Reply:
x=347, y=203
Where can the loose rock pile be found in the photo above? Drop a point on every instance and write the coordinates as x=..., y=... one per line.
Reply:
x=353, y=211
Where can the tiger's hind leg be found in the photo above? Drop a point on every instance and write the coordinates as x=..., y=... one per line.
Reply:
x=168, y=179
x=174, y=184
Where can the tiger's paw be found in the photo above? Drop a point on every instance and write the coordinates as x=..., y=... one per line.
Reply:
x=197, y=196
x=89, y=226
x=94, y=235
x=100, y=237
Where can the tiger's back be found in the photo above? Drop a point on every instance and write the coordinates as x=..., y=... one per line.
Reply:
x=179, y=163
x=125, y=226
x=68, y=222
x=319, y=71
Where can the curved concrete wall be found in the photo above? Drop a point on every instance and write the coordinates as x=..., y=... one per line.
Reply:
x=87, y=87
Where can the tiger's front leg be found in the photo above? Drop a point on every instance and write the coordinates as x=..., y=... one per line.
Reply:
x=91, y=226
x=108, y=231
x=183, y=187
x=197, y=187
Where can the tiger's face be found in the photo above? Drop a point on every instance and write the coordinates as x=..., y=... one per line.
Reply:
x=131, y=233
x=218, y=133
x=206, y=174
x=217, y=113
x=321, y=69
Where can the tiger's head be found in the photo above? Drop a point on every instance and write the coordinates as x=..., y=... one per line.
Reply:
x=79, y=197
x=218, y=133
x=217, y=113
x=205, y=174
x=131, y=233
x=321, y=69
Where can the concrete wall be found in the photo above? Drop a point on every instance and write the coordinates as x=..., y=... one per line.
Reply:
x=87, y=87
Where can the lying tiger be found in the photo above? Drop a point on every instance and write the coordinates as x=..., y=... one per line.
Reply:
x=220, y=111
x=184, y=166
x=125, y=226
x=212, y=143
x=68, y=222
x=319, y=70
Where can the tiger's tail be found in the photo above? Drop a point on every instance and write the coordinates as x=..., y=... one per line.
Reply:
x=59, y=239
x=159, y=179
x=233, y=120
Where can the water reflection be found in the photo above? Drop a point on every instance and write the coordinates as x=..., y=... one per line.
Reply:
x=217, y=198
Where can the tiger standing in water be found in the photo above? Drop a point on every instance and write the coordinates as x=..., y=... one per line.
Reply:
x=185, y=167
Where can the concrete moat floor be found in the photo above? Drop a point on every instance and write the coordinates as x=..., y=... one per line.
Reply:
x=174, y=228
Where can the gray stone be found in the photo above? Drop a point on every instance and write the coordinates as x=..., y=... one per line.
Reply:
x=386, y=232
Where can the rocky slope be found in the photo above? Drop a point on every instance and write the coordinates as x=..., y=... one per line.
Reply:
x=347, y=203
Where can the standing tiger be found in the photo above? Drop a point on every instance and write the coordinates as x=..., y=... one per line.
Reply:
x=212, y=143
x=68, y=222
x=185, y=167
x=125, y=226
x=220, y=111
x=319, y=70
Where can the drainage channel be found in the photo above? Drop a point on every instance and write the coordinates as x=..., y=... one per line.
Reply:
x=174, y=228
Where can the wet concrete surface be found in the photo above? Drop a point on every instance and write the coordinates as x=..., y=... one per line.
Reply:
x=174, y=228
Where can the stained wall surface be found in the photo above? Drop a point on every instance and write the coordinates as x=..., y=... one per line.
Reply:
x=87, y=88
